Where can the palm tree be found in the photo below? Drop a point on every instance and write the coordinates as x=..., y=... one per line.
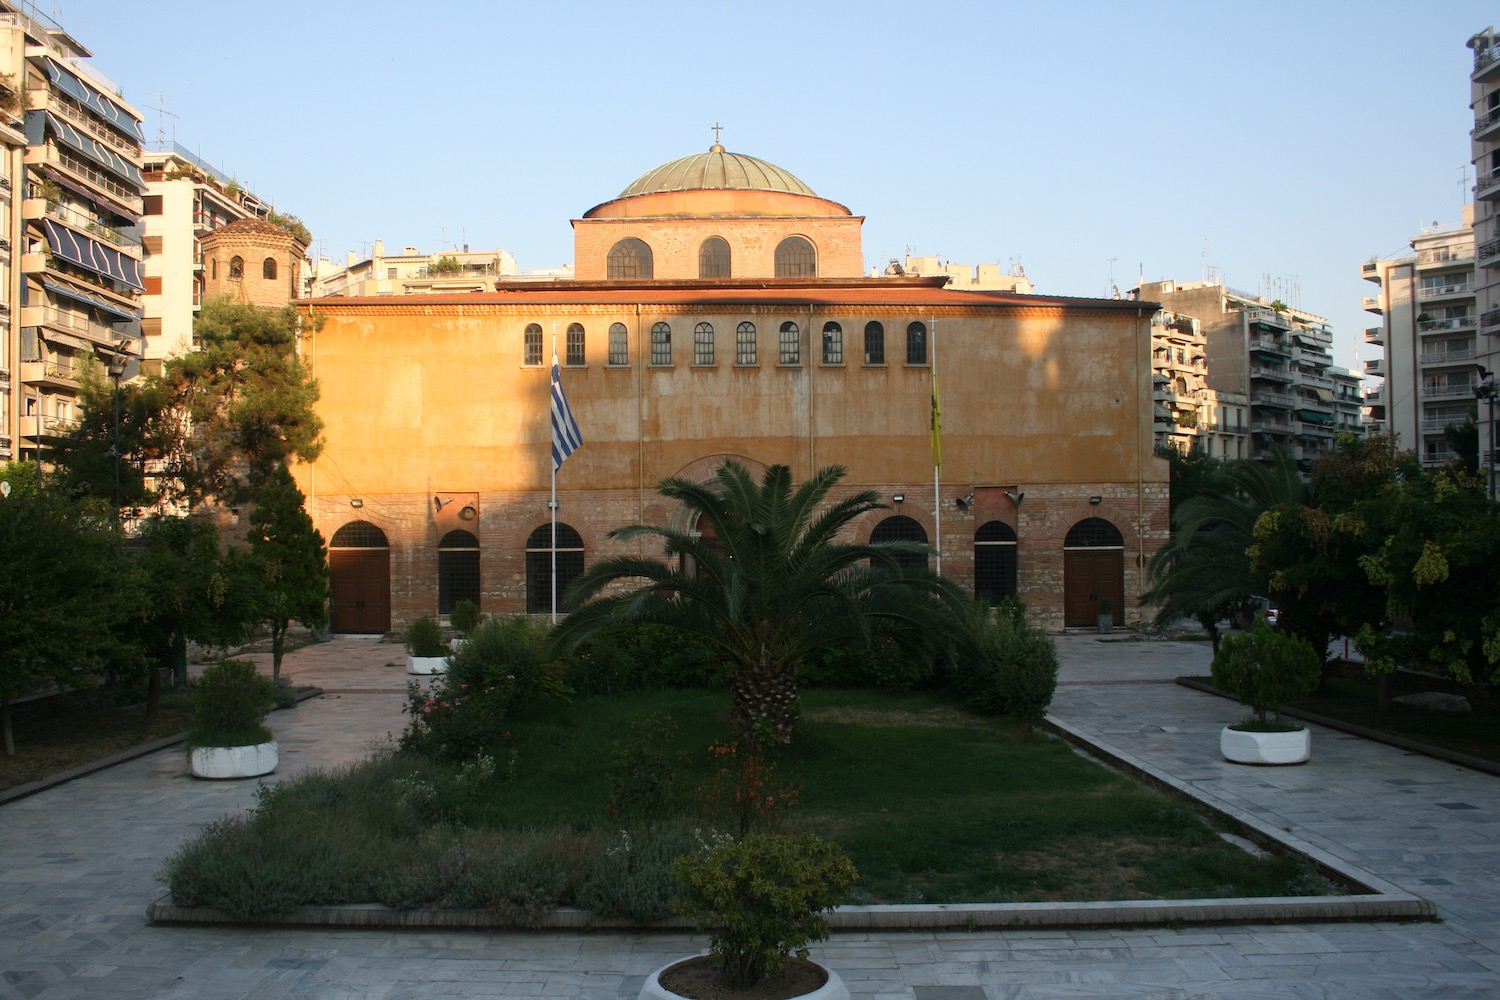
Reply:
x=772, y=584
x=1205, y=571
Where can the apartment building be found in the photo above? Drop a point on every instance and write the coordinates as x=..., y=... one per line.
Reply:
x=1429, y=332
x=963, y=277
x=12, y=152
x=186, y=199
x=1484, y=92
x=415, y=272
x=1187, y=414
x=76, y=237
x=1277, y=359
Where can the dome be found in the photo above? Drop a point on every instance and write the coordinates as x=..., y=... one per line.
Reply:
x=716, y=170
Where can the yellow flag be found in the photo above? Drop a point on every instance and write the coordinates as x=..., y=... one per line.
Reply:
x=937, y=426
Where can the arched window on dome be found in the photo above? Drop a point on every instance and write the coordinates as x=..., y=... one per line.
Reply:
x=629, y=259
x=796, y=258
x=713, y=258
x=236, y=267
x=268, y=269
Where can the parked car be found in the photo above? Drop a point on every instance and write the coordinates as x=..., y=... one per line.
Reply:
x=1255, y=607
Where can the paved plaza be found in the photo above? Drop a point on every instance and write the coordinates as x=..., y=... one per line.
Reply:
x=79, y=865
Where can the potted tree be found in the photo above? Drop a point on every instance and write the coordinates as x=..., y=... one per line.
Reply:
x=1265, y=668
x=761, y=900
x=229, y=738
x=425, y=651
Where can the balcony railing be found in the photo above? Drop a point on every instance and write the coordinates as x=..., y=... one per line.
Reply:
x=1490, y=322
x=65, y=106
x=1447, y=323
x=1270, y=317
x=1273, y=374
x=1448, y=357
x=1375, y=335
x=1426, y=291
x=1446, y=255
x=129, y=197
x=86, y=223
x=1448, y=389
x=1489, y=252
x=1371, y=303
x=1488, y=186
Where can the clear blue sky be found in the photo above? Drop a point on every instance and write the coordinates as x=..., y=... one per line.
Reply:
x=1281, y=140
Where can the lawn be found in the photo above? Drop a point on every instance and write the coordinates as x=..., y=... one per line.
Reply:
x=932, y=803
x=61, y=732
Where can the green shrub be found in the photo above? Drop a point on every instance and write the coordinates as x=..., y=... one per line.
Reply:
x=453, y=722
x=762, y=897
x=641, y=657
x=643, y=773
x=230, y=701
x=1265, y=668
x=1005, y=668
x=631, y=875
x=466, y=617
x=424, y=637
x=509, y=654
x=884, y=663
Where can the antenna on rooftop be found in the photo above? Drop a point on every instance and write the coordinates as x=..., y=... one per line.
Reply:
x=162, y=114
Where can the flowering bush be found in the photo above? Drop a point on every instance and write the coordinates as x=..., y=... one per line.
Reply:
x=451, y=721
x=743, y=794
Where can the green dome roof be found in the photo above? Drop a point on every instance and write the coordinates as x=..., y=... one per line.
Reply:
x=716, y=170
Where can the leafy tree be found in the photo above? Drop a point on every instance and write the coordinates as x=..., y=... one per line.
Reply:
x=84, y=460
x=289, y=556
x=1464, y=440
x=63, y=595
x=772, y=586
x=1189, y=473
x=292, y=224
x=1205, y=571
x=237, y=408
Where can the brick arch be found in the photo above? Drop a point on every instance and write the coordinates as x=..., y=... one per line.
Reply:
x=662, y=511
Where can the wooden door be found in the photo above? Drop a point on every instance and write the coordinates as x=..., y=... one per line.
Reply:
x=1089, y=577
x=361, y=584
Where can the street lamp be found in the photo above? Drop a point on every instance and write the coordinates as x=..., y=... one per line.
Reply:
x=116, y=369
x=1485, y=389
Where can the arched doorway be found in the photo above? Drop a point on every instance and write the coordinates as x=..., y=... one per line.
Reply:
x=1093, y=571
x=359, y=569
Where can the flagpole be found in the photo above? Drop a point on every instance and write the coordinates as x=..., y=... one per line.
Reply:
x=937, y=451
x=552, y=506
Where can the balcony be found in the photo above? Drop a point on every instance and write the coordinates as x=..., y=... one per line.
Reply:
x=1427, y=292
x=1487, y=188
x=1270, y=374
x=1375, y=368
x=50, y=373
x=1281, y=399
x=1464, y=355
x=1457, y=253
x=1448, y=323
x=1370, y=270
x=1490, y=322
x=1486, y=63
x=108, y=188
x=1447, y=390
x=1268, y=317
x=1273, y=345
x=1486, y=125
x=1271, y=425
x=1371, y=303
x=1437, y=425
x=1488, y=253
x=1375, y=335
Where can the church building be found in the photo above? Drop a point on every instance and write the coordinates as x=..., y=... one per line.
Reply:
x=720, y=312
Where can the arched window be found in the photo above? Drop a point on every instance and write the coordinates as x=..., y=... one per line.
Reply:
x=744, y=344
x=874, y=343
x=236, y=267
x=358, y=535
x=1094, y=533
x=833, y=343
x=213, y=269
x=713, y=258
x=703, y=344
x=619, y=344
x=994, y=562
x=916, y=344
x=661, y=344
x=791, y=344
x=901, y=528
x=629, y=259
x=539, y=566
x=458, y=570
x=268, y=269
x=575, y=344
x=531, y=340
x=796, y=258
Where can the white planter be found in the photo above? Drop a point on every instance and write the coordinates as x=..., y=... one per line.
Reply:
x=456, y=643
x=833, y=989
x=426, y=664
x=234, y=762
x=1245, y=747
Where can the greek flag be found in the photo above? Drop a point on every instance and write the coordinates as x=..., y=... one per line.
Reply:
x=565, y=435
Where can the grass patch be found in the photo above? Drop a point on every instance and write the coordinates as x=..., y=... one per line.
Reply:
x=932, y=804
x=65, y=731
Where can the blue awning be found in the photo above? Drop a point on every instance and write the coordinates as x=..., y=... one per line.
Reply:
x=122, y=312
x=69, y=83
x=40, y=122
x=80, y=250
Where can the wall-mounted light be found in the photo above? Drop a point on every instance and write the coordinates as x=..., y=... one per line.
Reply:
x=356, y=502
x=442, y=501
x=965, y=502
x=898, y=497
x=1015, y=498
x=1096, y=500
